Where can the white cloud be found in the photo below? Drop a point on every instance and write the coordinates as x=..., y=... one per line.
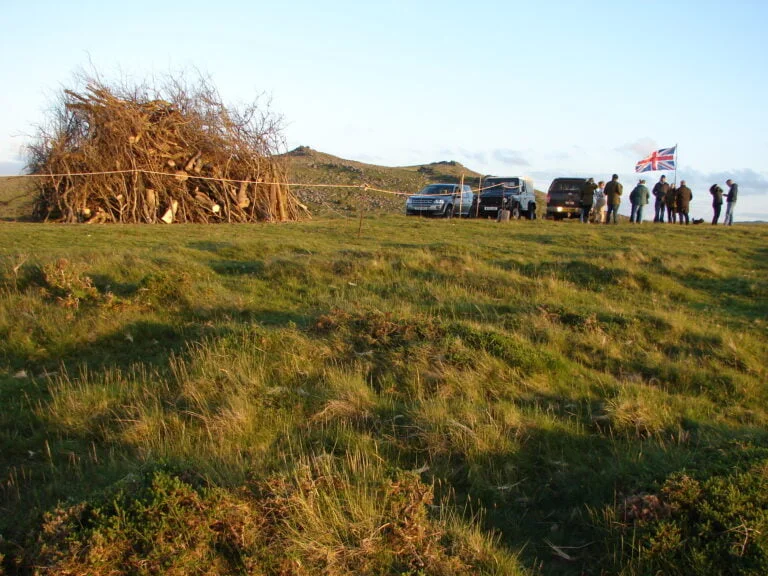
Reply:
x=473, y=157
x=640, y=148
x=751, y=183
x=510, y=157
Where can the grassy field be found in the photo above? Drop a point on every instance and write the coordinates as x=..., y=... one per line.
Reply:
x=416, y=397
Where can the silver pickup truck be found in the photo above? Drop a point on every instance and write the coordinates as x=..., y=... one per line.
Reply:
x=442, y=200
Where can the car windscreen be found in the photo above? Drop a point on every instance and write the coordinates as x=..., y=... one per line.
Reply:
x=567, y=185
x=438, y=189
x=493, y=187
x=501, y=184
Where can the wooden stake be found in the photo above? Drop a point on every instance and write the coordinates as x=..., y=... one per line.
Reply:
x=360, y=227
x=479, y=190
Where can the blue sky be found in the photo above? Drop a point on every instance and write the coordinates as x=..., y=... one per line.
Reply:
x=543, y=88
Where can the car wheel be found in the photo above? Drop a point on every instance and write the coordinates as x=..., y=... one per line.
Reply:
x=531, y=211
x=448, y=211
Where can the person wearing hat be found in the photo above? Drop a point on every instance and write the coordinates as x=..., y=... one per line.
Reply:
x=638, y=198
x=684, y=197
x=660, y=190
x=717, y=201
x=587, y=197
x=613, y=192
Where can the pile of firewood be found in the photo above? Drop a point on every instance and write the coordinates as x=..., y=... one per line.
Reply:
x=139, y=155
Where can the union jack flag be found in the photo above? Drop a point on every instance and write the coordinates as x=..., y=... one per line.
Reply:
x=663, y=159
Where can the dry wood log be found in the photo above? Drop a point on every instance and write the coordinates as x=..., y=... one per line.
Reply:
x=170, y=213
x=150, y=205
x=242, y=196
x=192, y=161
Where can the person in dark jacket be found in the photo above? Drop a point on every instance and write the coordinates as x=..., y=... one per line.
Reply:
x=660, y=190
x=587, y=197
x=717, y=202
x=730, y=201
x=613, y=191
x=671, y=202
x=638, y=198
x=683, y=199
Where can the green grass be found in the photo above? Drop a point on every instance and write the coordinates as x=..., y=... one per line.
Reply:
x=415, y=397
x=16, y=199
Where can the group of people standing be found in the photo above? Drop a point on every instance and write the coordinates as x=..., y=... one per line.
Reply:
x=675, y=200
x=730, y=201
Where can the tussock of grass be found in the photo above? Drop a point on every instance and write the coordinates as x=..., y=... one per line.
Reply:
x=86, y=405
x=349, y=397
x=641, y=411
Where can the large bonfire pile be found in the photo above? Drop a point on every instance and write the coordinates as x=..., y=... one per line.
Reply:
x=170, y=155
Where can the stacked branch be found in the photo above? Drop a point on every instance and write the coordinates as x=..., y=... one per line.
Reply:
x=170, y=155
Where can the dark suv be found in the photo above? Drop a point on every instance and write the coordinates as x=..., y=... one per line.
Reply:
x=441, y=200
x=511, y=193
x=564, y=198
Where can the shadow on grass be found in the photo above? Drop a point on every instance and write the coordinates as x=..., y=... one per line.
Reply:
x=739, y=292
x=264, y=316
x=238, y=267
x=26, y=218
x=150, y=343
x=579, y=272
x=735, y=295
x=106, y=284
x=211, y=246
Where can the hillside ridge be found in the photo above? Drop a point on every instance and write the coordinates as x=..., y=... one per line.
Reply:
x=310, y=167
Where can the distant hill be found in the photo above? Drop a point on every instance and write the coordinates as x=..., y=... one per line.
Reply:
x=308, y=166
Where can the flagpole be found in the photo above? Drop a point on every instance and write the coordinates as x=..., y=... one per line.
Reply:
x=677, y=161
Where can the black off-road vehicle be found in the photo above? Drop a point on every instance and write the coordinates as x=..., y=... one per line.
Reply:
x=511, y=193
x=564, y=198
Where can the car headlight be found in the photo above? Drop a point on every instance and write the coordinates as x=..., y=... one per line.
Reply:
x=439, y=201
